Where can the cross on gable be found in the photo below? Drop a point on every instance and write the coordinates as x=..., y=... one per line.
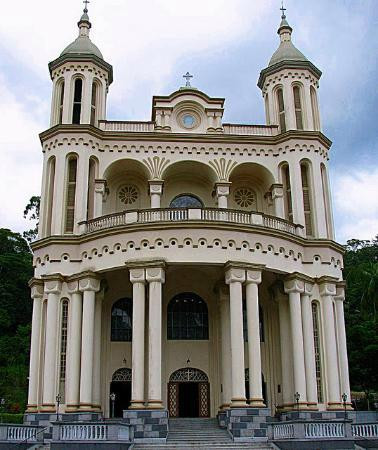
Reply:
x=187, y=76
x=86, y=5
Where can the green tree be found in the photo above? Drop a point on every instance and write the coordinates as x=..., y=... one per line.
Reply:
x=31, y=212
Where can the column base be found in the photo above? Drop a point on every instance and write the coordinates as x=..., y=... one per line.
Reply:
x=87, y=407
x=313, y=406
x=256, y=403
x=48, y=408
x=224, y=406
x=335, y=406
x=137, y=404
x=31, y=408
x=155, y=404
x=72, y=408
x=238, y=403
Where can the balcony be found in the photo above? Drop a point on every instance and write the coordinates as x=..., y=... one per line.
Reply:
x=185, y=215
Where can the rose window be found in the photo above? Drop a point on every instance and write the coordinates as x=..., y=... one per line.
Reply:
x=128, y=194
x=244, y=197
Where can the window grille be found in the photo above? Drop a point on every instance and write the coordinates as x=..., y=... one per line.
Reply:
x=122, y=320
x=123, y=374
x=70, y=194
x=188, y=375
x=318, y=361
x=281, y=110
x=63, y=341
x=307, y=200
x=298, y=107
x=78, y=93
x=187, y=318
x=186, y=201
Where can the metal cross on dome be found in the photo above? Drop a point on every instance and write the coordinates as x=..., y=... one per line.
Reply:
x=86, y=5
x=283, y=9
x=187, y=76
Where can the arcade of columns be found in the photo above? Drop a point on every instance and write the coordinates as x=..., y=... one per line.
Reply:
x=83, y=386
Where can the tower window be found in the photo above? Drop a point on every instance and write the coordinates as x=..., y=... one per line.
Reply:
x=50, y=193
x=307, y=199
x=61, y=101
x=63, y=345
x=298, y=107
x=70, y=194
x=281, y=110
x=78, y=94
x=91, y=188
x=94, y=103
x=287, y=192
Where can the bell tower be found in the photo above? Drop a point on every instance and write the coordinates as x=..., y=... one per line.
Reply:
x=81, y=79
x=289, y=86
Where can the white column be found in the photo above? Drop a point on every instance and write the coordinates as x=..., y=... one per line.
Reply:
x=222, y=191
x=156, y=191
x=225, y=346
x=74, y=347
x=99, y=192
x=155, y=277
x=286, y=354
x=235, y=276
x=97, y=352
x=253, y=280
x=308, y=345
x=58, y=212
x=68, y=98
x=289, y=105
x=278, y=200
x=327, y=292
x=307, y=107
x=86, y=102
x=89, y=286
x=294, y=287
x=137, y=278
x=81, y=201
x=296, y=193
x=341, y=340
x=53, y=289
x=35, y=343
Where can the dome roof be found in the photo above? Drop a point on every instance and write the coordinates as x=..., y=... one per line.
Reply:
x=83, y=46
x=287, y=52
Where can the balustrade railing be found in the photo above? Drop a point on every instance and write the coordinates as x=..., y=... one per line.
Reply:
x=250, y=130
x=368, y=430
x=22, y=433
x=190, y=214
x=131, y=127
x=283, y=431
x=83, y=432
x=324, y=430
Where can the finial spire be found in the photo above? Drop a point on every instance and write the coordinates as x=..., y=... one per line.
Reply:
x=86, y=6
x=283, y=9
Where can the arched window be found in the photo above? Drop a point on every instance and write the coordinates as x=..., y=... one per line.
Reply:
x=245, y=323
x=287, y=192
x=60, y=102
x=187, y=317
x=298, y=107
x=328, y=215
x=281, y=110
x=70, y=194
x=94, y=103
x=63, y=345
x=91, y=188
x=186, y=201
x=318, y=356
x=122, y=320
x=50, y=194
x=307, y=202
x=315, y=108
x=78, y=94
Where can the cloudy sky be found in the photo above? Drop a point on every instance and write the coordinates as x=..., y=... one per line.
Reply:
x=225, y=43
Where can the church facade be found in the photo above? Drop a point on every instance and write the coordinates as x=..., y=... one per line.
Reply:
x=185, y=265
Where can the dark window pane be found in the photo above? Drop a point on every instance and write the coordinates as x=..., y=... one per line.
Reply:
x=186, y=201
x=122, y=314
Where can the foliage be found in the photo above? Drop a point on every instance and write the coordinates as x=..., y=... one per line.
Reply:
x=32, y=212
x=15, y=316
x=361, y=275
x=11, y=418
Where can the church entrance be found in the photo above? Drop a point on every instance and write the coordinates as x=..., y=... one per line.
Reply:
x=121, y=388
x=189, y=393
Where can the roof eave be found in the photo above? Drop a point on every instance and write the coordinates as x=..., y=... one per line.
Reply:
x=288, y=65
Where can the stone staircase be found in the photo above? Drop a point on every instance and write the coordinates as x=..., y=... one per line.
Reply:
x=185, y=434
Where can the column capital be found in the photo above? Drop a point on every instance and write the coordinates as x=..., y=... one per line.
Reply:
x=222, y=188
x=37, y=288
x=100, y=186
x=298, y=282
x=73, y=286
x=327, y=286
x=276, y=190
x=53, y=283
x=156, y=186
x=88, y=281
x=340, y=291
x=253, y=276
x=234, y=272
x=156, y=273
x=137, y=275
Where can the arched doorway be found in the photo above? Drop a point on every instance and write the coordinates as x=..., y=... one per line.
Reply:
x=121, y=387
x=189, y=393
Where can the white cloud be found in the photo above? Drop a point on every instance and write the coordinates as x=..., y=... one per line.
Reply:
x=356, y=204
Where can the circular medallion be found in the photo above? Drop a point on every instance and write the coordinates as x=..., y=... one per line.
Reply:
x=128, y=194
x=244, y=197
